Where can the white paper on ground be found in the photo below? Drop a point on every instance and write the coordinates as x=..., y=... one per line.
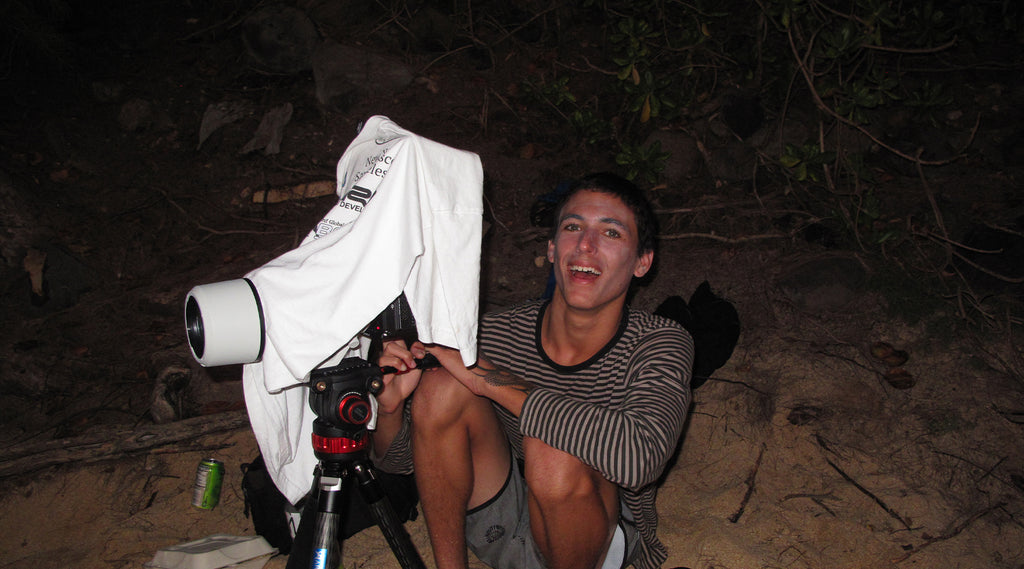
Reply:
x=215, y=552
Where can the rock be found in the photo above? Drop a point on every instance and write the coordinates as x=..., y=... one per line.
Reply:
x=220, y=114
x=732, y=161
x=65, y=277
x=135, y=115
x=107, y=91
x=889, y=355
x=169, y=394
x=343, y=71
x=280, y=39
x=743, y=114
x=19, y=225
x=899, y=378
x=806, y=414
x=684, y=157
x=825, y=283
x=271, y=130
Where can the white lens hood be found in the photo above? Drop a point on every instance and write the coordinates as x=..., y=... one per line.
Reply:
x=224, y=322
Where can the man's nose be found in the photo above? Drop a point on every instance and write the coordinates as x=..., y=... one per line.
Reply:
x=587, y=241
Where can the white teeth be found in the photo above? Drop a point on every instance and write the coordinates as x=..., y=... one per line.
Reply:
x=582, y=269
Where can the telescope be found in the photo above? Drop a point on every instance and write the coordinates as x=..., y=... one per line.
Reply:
x=224, y=323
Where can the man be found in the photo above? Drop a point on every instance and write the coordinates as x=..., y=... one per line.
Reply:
x=546, y=453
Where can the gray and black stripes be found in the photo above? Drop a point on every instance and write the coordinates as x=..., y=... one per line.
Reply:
x=620, y=413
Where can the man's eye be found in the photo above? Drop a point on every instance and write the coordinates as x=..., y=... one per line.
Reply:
x=571, y=227
x=613, y=233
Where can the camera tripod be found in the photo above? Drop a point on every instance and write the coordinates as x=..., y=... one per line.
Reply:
x=338, y=396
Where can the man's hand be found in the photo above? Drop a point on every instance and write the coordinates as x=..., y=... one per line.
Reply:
x=398, y=386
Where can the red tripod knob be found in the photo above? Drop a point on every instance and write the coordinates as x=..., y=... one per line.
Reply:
x=354, y=409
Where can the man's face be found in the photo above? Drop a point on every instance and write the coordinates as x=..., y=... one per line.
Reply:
x=594, y=251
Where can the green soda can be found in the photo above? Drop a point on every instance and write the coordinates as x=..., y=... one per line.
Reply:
x=209, y=476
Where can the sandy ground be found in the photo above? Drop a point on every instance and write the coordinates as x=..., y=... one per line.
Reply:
x=799, y=456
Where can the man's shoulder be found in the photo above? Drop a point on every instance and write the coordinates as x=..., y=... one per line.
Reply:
x=526, y=309
x=648, y=322
x=647, y=328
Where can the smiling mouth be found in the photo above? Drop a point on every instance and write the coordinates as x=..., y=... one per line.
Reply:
x=586, y=270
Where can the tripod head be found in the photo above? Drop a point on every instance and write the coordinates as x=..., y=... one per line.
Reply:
x=339, y=395
x=340, y=398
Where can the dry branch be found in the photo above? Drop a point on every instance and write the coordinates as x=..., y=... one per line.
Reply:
x=808, y=74
x=751, y=479
x=712, y=236
x=952, y=532
x=113, y=443
x=892, y=513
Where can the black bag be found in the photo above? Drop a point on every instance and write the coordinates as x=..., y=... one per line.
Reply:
x=267, y=505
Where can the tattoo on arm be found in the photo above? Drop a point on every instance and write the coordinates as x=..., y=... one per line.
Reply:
x=499, y=377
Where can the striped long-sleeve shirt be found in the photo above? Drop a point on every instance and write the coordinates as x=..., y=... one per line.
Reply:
x=621, y=412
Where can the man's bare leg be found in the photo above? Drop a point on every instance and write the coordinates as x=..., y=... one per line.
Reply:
x=461, y=457
x=573, y=508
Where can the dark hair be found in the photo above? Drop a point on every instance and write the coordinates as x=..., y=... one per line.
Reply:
x=631, y=196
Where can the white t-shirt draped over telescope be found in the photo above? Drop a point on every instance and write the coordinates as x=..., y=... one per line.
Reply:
x=408, y=220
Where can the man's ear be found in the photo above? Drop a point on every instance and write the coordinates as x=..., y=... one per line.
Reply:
x=643, y=264
x=551, y=251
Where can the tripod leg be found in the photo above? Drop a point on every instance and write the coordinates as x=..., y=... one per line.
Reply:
x=384, y=514
x=317, y=542
x=326, y=549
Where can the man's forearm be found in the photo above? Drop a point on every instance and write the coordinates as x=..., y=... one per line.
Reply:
x=502, y=386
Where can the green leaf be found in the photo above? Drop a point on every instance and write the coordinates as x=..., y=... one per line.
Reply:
x=789, y=161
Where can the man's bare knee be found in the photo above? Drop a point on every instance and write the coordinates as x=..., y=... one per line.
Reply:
x=439, y=399
x=552, y=474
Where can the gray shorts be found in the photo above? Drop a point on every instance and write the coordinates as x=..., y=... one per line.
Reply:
x=498, y=532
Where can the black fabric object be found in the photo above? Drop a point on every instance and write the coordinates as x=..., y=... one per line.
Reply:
x=714, y=324
x=266, y=505
x=400, y=490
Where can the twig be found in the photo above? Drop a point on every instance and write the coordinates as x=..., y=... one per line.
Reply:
x=852, y=361
x=510, y=33
x=1015, y=417
x=592, y=67
x=722, y=239
x=911, y=50
x=957, y=244
x=951, y=533
x=929, y=235
x=116, y=442
x=809, y=79
x=820, y=503
x=816, y=498
x=931, y=200
x=706, y=207
x=986, y=472
x=494, y=214
x=738, y=382
x=424, y=69
x=751, y=479
x=1003, y=228
x=178, y=207
x=892, y=513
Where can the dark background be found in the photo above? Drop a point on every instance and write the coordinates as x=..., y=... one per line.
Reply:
x=103, y=176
